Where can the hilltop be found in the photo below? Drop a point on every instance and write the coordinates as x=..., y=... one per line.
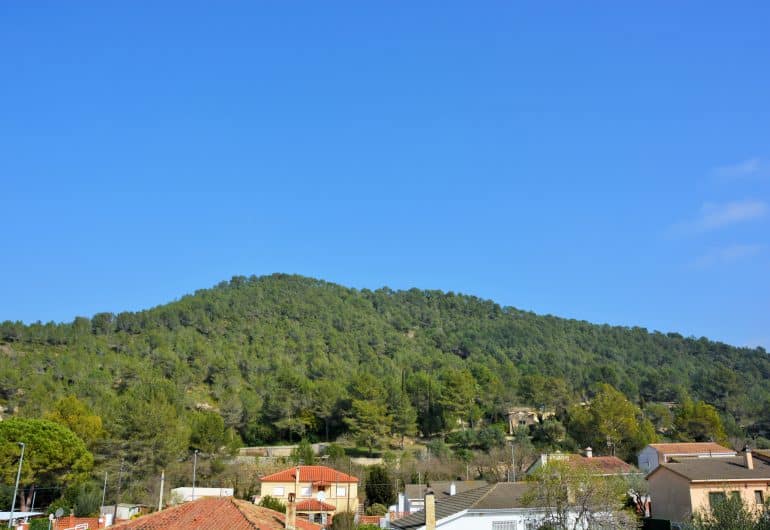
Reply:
x=280, y=357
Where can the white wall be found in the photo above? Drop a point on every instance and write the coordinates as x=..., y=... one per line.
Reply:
x=647, y=459
x=185, y=494
x=484, y=520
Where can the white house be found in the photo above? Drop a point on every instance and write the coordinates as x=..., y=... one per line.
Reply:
x=124, y=511
x=653, y=455
x=413, y=497
x=186, y=494
x=496, y=507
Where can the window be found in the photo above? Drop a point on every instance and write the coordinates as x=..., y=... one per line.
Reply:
x=278, y=491
x=716, y=497
x=759, y=497
x=341, y=492
x=306, y=491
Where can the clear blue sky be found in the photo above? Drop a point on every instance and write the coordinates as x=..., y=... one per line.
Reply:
x=608, y=162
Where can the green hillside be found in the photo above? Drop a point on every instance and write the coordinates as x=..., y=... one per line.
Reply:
x=282, y=357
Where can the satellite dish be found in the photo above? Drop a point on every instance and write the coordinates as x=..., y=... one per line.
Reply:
x=321, y=496
x=59, y=512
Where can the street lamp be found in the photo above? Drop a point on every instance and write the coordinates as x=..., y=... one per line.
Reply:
x=16, y=489
x=195, y=465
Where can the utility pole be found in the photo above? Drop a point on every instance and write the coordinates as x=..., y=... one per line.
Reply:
x=350, y=470
x=16, y=489
x=195, y=466
x=513, y=461
x=117, y=496
x=104, y=491
x=162, y=481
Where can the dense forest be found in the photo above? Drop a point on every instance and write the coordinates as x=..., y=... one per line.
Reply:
x=280, y=358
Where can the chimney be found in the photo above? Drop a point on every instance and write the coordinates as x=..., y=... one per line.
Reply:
x=452, y=489
x=748, y=458
x=291, y=513
x=430, y=510
x=589, y=452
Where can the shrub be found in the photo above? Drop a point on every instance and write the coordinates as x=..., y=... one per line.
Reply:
x=377, y=509
x=343, y=521
x=334, y=451
x=272, y=503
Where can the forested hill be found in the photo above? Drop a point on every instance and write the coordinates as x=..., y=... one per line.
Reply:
x=280, y=357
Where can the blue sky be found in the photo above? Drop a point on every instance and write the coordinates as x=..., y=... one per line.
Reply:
x=608, y=162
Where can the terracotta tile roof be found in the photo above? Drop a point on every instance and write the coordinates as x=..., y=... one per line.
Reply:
x=313, y=505
x=690, y=448
x=604, y=465
x=214, y=514
x=599, y=465
x=311, y=474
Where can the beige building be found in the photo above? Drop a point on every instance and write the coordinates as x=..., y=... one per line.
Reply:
x=320, y=491
x=679, y=489
x=526, y=417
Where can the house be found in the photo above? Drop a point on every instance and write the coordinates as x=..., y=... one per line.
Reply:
x=655, y=454
x=219, y=514
x=525, y=416
x=185, y=494
x=681, y=488
x=412, y=500
x=498, y=506
x=18, y=517
x=598, y=465
x=124, y=511
x=320, y=491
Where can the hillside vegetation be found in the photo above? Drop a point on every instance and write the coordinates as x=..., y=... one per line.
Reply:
x=278, y=358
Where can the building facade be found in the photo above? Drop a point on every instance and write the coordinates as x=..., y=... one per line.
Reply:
x=320, y=491
x=680, y=489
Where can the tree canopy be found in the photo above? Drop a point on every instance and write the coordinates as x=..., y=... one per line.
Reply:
x=574, y=498
x=282, y=358
x=53, y=454
x=612, y=420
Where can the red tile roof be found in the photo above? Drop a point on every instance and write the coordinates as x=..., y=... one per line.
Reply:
x=689, y=448
x=310, y=473
x=214, y=514
x=605, y=465
x=314, y=505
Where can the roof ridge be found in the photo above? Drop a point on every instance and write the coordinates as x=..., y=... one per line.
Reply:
x=489, y=490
